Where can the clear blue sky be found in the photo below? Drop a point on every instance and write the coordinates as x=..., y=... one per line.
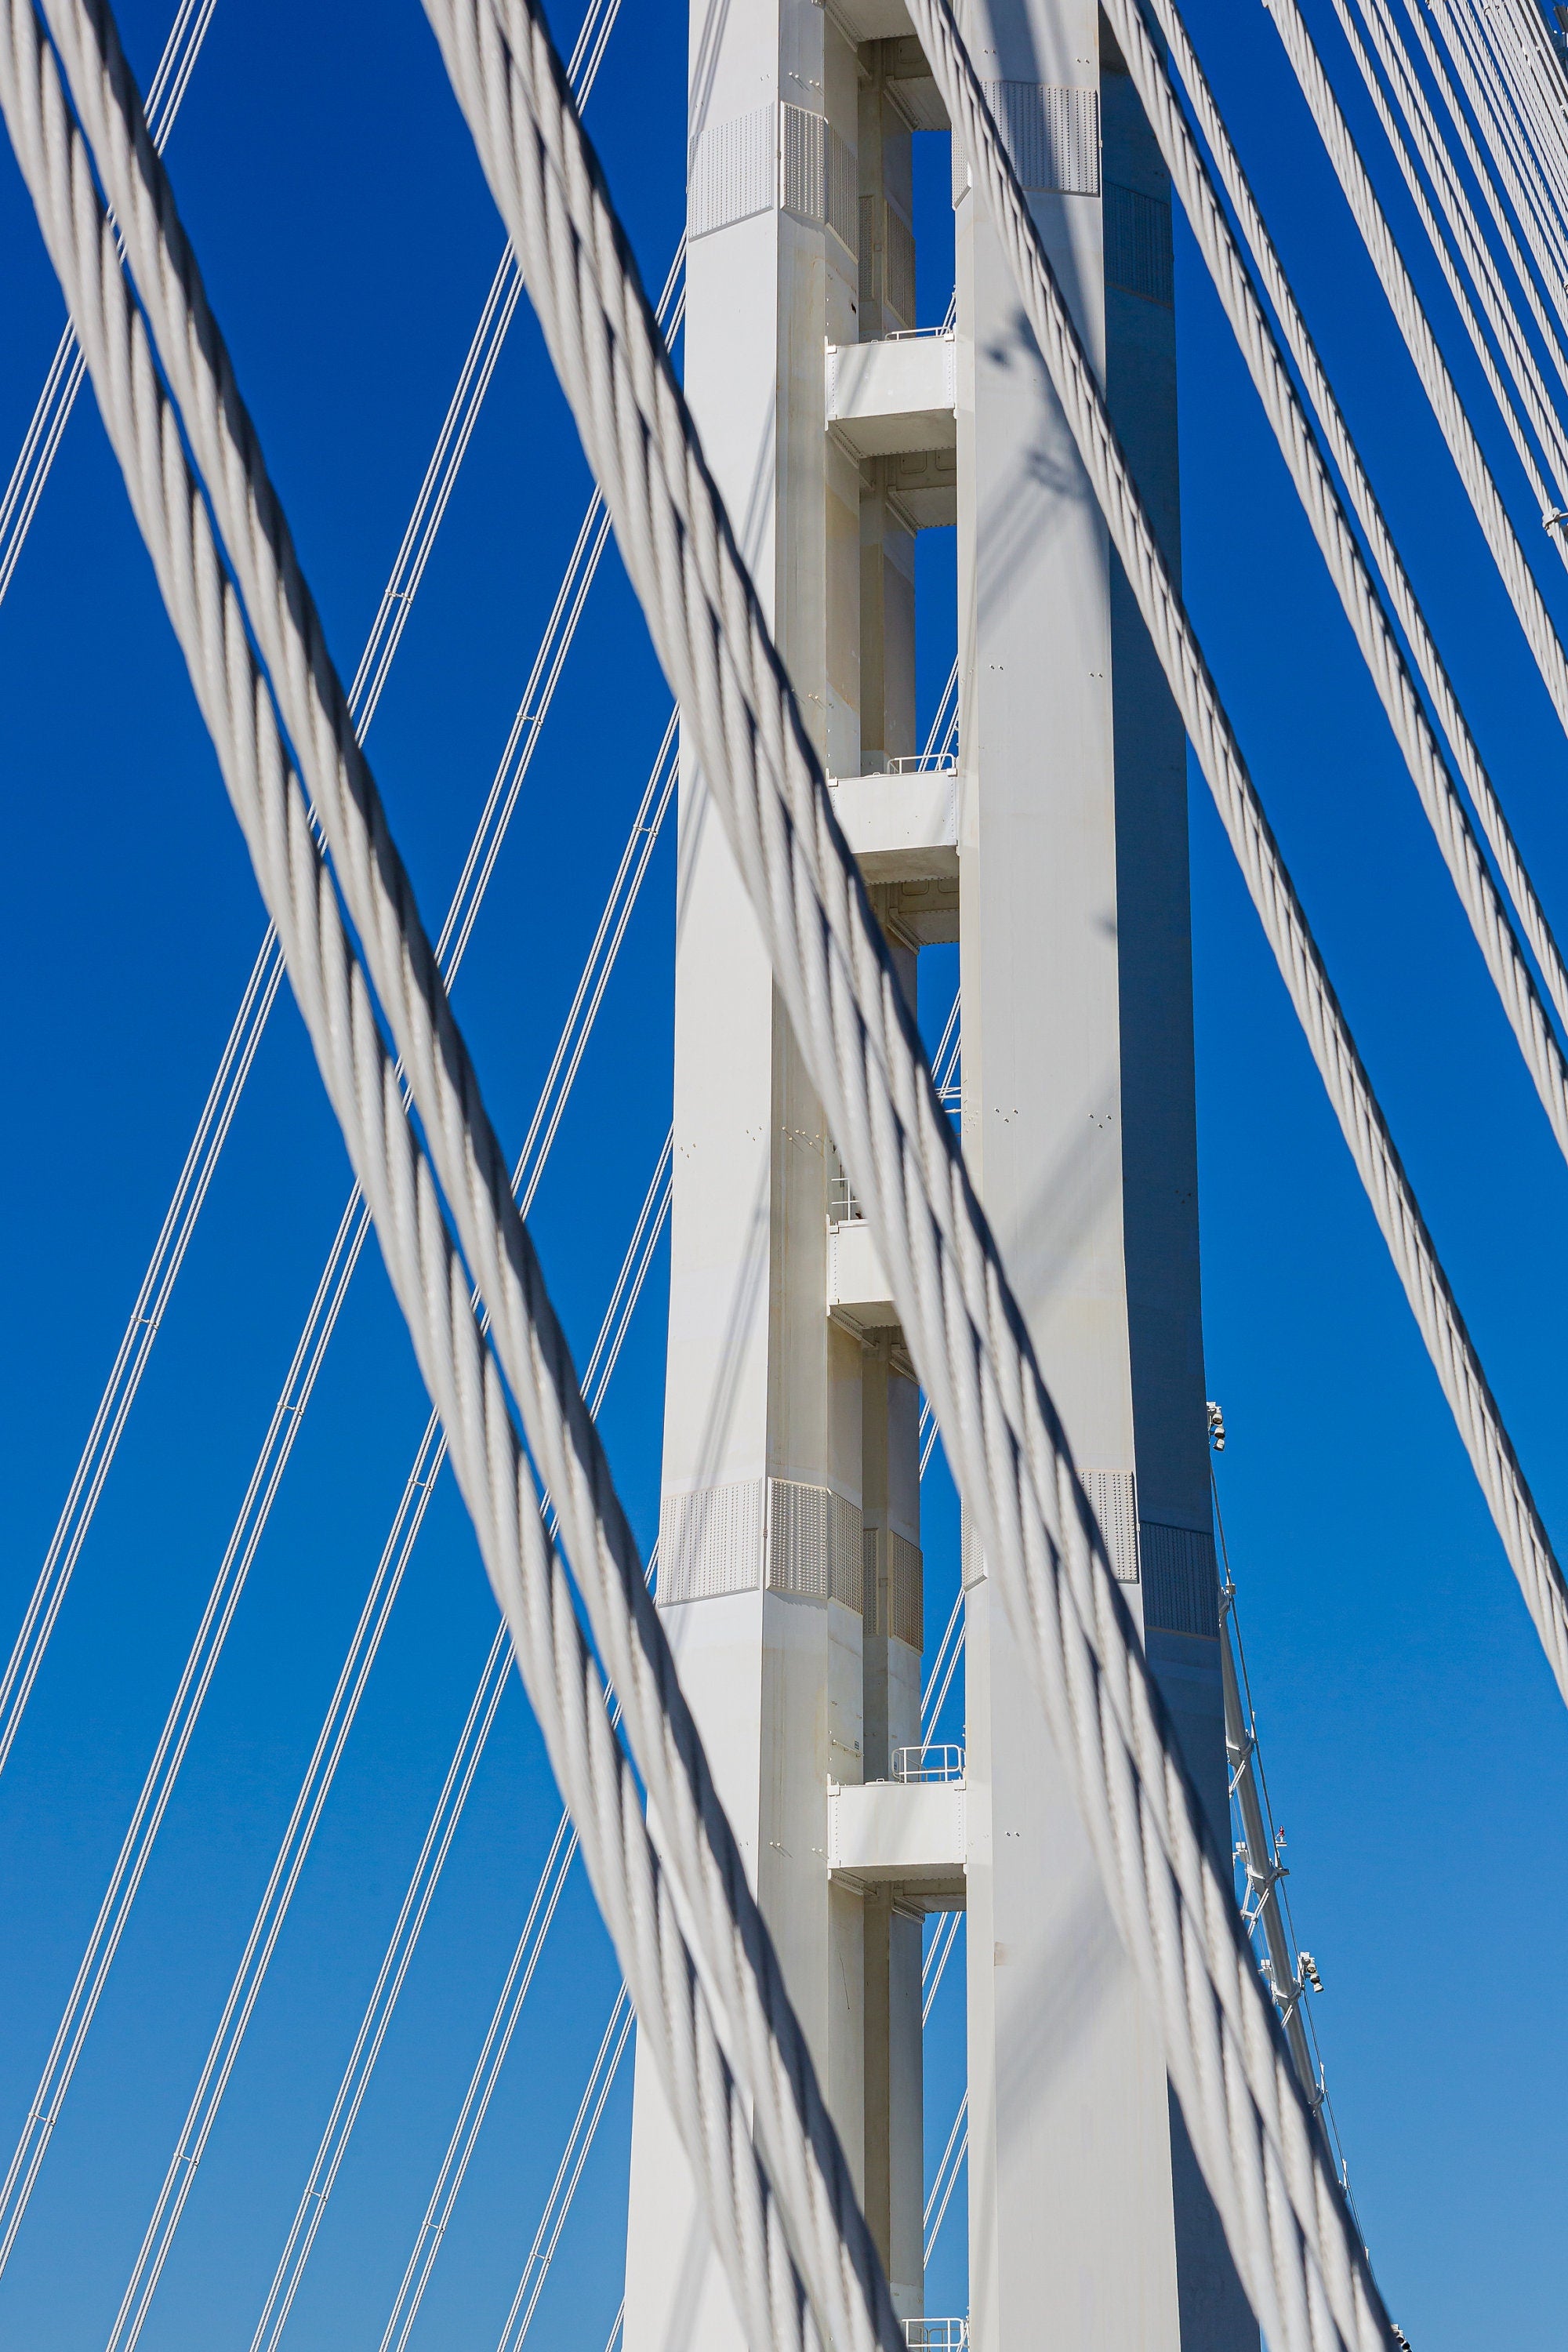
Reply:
x=1416, y=1749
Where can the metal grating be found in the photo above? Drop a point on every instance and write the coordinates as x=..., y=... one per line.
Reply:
x=1113, y=1498
x=814, y=1543
x=1181, y=1581
x=734, y=173
x=1138, y=255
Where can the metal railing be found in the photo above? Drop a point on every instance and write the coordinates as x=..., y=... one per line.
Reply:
x=843, y=1205
x=943, y=1762
x=937, y=2335
x=923, y=763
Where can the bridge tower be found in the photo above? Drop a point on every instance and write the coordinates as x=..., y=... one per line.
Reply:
x=790, y=1568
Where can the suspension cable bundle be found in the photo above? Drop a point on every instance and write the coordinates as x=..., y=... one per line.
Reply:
x=697, y=1957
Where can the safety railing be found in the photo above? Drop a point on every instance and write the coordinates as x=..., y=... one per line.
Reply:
x=939, y=1763
x=937, y=2335
x=843, y=1205
x=923, y=763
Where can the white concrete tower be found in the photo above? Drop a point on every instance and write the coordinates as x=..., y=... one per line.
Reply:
x=789, y=1564
x=790, y=1568
x=1089, y=2224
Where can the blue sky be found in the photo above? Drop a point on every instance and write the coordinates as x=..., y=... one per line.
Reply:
x=1416, y=1750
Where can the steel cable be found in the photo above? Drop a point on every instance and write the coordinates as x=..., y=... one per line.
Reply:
x=946, y=2178
x=563, y=2187
x=1283, y=2217
x=1517, y=354
x=150, y=1304
x=498, y=2039
x=828, y=2235
x=407, y=1521
x=1431, y=368
x=683, y=561
x=710, y=2100
x=1215, y=240
x=824, y=2216
x=1380, y=648
x=239, y=1554
x=1464, y=227
x=387, y=1988
x=1513, y=154
x=1501, y=166
x=520, y=1975
x=1533, y=74
x=51, y=414
x=1518, y=108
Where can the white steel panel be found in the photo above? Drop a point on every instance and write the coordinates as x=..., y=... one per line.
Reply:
x=891, y=395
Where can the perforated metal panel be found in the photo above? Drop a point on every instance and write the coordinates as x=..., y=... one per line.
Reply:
x=734, y=172
x=1113, y=1497
x=894, y=1584
x=1051, y=133
x=814, y=1546
x=710, y=1542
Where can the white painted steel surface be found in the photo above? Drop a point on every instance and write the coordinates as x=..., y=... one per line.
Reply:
x=898, y=393
x=901, y=828
x=909, y=1833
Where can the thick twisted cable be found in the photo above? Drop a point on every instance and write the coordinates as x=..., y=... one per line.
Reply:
x=1484, y=85
x=1380, y=648
x=1301, y=2257
x=829, y=2236
x=1518, y=580
x=1533, y=74
x=1214, y=233
x=397, y=1551
x=1463, y=1383
x=642, y=449
x=1463, y=226
x=1318, y=2283
x=1509, y=121
x=428, y=1278
x=75, y=1521
x=1299, y=2262
x=1548, y=428
x=1284, y=921
x=1302, y=2264
x=1485, y=176
x=40, y=444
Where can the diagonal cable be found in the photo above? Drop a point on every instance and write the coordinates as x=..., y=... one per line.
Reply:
x=1531, y=392
x=1215, y=242
x=563, y=2187
x=946, y=2176
x=1311, y=2274
x=27, y=2157
x=1516, y=157
x=1374, y=634
x=1432, y=370
x=1487, y=176
x=1464, y=227
x=764, y=2072
x=1284, y=2220
x=223, y=1096
x=409, y=1923
x=299, y=1831
x=828, y=2233
x=40, y=443
x=266, y=974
